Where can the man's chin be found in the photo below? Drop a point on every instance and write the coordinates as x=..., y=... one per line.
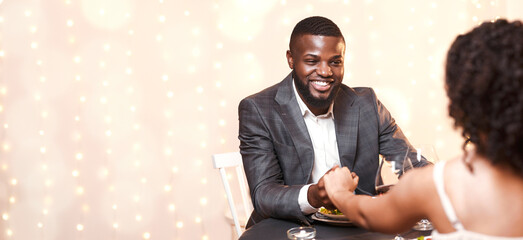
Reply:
x=322, y=101
x=324, y=98
x=320, y=96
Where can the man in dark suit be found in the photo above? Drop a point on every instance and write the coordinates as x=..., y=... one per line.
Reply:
x=292, y=133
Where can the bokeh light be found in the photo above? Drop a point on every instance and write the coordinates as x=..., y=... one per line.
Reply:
x=110, y=110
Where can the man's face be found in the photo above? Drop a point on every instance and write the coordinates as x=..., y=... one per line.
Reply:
x=317, y=63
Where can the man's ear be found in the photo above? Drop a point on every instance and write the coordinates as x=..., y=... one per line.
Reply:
x=290, y=61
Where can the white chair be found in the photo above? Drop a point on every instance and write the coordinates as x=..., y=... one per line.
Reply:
x=228, y=160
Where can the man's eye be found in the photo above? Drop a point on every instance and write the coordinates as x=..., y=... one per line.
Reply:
x=311, y=61
x=337, y=62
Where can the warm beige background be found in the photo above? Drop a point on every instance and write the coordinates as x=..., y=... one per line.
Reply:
x=110, y=110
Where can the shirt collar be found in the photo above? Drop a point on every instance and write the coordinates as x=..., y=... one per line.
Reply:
x=305, y=110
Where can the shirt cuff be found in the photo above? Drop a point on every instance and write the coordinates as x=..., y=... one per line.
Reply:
x=305, y=207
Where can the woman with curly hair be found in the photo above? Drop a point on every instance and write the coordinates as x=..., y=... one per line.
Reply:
x=480, y=194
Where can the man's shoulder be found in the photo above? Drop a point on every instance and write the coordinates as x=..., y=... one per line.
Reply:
x=360, y=94
x=360, y=91
x=269, y=93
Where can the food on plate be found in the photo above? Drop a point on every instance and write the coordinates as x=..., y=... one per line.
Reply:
x=331, y=212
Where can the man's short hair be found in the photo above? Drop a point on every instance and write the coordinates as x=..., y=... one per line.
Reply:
x=316, y=25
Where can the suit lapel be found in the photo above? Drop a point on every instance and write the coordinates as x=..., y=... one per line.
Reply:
x=346, y=117
x=293, y=120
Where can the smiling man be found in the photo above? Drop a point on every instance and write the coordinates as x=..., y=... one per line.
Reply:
x=317, y=62
x=292, y=133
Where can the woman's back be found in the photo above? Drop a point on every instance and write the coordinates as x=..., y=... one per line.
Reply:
x=486, y=199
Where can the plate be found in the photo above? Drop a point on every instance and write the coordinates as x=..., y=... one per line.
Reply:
x=321, y=217
x=333, y=216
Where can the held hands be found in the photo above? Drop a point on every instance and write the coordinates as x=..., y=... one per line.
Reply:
x=317, y=195
x=340, y=180
x=336, y=179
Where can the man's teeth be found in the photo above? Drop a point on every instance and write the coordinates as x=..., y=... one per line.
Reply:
x=321, y=83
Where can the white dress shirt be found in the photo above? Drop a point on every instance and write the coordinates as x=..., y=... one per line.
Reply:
x=323, y=136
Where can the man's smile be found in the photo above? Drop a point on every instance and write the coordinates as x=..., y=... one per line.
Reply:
x=321, y=85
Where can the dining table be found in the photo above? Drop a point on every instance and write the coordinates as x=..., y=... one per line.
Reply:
x=272, y=228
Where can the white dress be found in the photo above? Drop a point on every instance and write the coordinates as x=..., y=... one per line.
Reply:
x=460, y=233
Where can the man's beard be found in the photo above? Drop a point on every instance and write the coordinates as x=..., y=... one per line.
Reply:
x=304, y=90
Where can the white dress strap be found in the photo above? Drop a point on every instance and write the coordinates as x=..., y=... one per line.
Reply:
x=445, y=201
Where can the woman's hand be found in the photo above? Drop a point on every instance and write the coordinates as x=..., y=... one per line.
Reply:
x=340, y=180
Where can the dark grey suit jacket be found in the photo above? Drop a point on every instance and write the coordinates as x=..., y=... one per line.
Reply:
x=277, y=150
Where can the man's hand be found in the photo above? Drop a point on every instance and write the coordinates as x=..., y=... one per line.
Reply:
x=317, y=195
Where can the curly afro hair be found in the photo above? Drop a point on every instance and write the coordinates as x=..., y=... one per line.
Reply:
x=484, y=81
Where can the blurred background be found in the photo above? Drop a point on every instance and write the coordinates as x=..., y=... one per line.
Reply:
x=110, y=110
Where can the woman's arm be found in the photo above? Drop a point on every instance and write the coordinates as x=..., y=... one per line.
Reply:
x=394, y=212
